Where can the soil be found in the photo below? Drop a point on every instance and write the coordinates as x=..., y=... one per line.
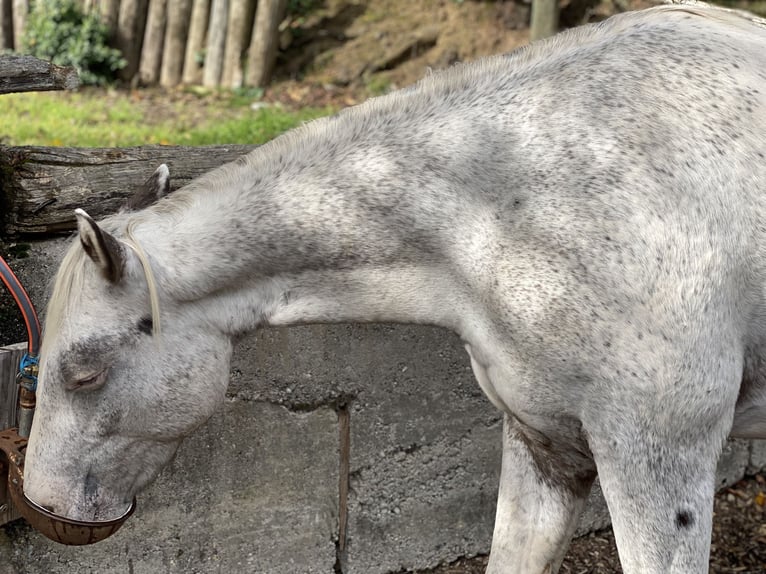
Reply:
x=739, y=539
x=350, y=49
x=738, y=546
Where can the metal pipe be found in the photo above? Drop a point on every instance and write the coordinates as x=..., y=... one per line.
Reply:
x=28, y=369
x=27, y=403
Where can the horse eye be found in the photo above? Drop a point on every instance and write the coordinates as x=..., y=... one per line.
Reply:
x=89, y=384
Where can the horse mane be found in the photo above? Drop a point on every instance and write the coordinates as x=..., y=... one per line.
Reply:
x=278, y=154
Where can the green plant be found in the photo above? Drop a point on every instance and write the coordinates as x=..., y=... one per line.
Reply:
x=59, y=31
x=298, y=8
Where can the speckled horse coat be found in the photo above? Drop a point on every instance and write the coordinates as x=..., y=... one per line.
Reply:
x=587, y=214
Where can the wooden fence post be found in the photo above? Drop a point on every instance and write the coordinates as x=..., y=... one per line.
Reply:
x=154, y=40
x=176, y=34
x=130, y=35
x=20, y=13
x=6, y=25
x=109, y=12
x=263, y=46
x=236, y=43
x=195, y=43
x=9, y=366
x=216, y=39
x=544, y=20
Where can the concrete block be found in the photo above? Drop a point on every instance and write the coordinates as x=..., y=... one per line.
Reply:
x=757, y=462
x=425, y=450
x=255, y=490
x=425, y=442
x=418, y=508
x=733, y=462
x=596, y=514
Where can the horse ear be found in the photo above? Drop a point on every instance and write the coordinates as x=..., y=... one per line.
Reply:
x=103, y=249
x=157, y=186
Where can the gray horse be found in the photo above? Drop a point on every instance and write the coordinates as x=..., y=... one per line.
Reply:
x=587, y=213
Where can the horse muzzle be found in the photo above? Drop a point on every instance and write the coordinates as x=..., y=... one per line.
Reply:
x=55, y=527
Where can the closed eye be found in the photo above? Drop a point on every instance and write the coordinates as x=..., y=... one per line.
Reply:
x=89, y=384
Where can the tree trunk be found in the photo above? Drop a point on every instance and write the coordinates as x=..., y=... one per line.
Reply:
x=195, y=44
x=130, y=32
x=154, y=37
x=30, y=74
x=235, y=43
x=545, y=19
x=216, y=38
x=20, y=13
x=41, y=186
x=263, y=47
x=175, y=42
x=6, y=25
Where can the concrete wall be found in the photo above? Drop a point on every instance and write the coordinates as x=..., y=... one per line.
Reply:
x=257, y=489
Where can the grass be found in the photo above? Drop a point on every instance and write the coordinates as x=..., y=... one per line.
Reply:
x=107, y=118
x=755, y=6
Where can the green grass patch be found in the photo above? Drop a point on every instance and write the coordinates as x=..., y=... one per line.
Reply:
x=757, y=7
x=102, y=118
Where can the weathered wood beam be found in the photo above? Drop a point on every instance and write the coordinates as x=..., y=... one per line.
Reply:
x=30, y=74
x=41, y=186
x=9, y=366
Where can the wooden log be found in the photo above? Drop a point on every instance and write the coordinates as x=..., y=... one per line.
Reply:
x=235, y=43
x=6, y=25
x=179, y=12
x=41, y=186
x=9, y=366
x=30, y=74
x=195, y=45
x=216, y=38
x=154, y=38
x=263, y=47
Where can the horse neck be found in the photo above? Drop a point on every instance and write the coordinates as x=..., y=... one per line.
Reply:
x=354, y=234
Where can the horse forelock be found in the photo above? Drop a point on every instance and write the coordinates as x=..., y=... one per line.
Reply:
x=68, y=284
x=72, y=275
x=151, y=281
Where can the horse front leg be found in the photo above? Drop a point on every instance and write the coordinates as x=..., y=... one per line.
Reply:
x=542, y=493
x=656, y=442
x=660, y=498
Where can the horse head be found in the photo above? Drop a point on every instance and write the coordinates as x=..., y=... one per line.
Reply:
x=117, y=393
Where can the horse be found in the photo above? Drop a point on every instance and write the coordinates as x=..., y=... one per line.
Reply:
x=586, y=213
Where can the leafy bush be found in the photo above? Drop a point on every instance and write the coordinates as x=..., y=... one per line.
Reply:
x=299, y=8
x=59, y=31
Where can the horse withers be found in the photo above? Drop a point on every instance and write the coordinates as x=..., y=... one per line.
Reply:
x=587, y=213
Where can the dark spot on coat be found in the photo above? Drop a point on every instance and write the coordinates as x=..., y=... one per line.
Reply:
x=684, y=519
x=145, y=325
